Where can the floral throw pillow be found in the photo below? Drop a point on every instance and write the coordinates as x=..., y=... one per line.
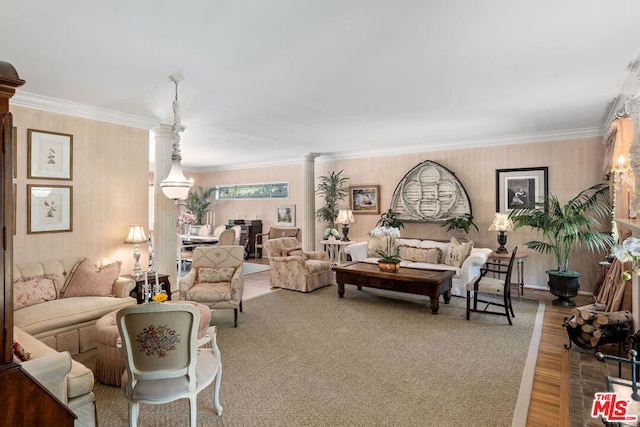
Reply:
x=89, y=280
x=214, y=274
x=33, y=290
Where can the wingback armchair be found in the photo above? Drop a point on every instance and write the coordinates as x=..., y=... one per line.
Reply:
x=292, y=268
x=215, y=278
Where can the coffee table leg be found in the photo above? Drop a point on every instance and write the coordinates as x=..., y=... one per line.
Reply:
x=435, y=304
x=447, y=296
x=340, y=290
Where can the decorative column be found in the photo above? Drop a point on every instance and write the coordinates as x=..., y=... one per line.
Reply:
x=165, y=214
x=632, y=105
x=309, y=220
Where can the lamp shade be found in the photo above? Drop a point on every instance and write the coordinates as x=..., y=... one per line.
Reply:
x=345, y=216
x=501, y=222
x=136, y=235
x=176, y=186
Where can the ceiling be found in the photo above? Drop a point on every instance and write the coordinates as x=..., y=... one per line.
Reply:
x=267, y=81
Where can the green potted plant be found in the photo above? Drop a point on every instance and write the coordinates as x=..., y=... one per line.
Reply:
x=390, y=219
x=389, y=261
x=566, y=228
x=461, y=224
x=198, y=202
x=388, y=227
x=332, y=189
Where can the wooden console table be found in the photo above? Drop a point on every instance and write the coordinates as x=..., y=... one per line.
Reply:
x=431, y=283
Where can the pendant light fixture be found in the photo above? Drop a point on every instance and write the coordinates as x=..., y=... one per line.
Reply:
x=175, y=186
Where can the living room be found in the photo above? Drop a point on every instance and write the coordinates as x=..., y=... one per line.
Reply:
x=113, y=146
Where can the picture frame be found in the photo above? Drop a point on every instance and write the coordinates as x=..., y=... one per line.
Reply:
x=49, y=155
x=49, y=208
x=515, y=187
x=286, y=216
x=364, y=199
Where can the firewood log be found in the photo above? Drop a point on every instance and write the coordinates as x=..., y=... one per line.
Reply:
x=588, y=328
x=597, y=306
x=614, y=317
x=588, y=314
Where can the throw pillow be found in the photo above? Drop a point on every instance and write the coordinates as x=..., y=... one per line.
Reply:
x=69, y=276
x=20, y=353
x=376, y=244
x=33, y=290
x=214, y=274
x=296, y=252
x=458, y=252
x=89, y=280
x=427, y=255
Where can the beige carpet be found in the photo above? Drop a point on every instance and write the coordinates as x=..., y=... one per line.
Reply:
x=370, y=359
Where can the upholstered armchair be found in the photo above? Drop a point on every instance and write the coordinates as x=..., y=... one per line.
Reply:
x=292, y=268
x=274, y=233
x=215, y=278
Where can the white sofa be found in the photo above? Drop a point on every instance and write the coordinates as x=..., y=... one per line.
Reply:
x=470, y=267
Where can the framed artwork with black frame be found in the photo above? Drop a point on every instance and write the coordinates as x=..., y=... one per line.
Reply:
x=521, y=188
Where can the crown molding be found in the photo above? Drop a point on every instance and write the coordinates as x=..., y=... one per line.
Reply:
x=54, y=105
x=420, y=148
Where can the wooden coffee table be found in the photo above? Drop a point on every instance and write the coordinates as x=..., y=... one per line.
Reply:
x=431, y=283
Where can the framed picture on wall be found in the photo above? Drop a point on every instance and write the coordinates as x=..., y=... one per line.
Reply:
x=520, y=188
x=49, y=208
x=364, y=199
x=286, y=216
x=50, y=155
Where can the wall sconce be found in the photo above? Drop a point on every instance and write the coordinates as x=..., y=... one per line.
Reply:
x=135, y=237
x=501, y=223
x=176, y=186
x=345, y=217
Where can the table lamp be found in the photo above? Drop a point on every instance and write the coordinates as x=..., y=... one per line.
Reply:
x=135, y=237
x=345, y=217
x=501, y=223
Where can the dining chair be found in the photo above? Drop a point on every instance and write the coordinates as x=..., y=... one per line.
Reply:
x=164, y=359
x=498, y=285
x=227, y=238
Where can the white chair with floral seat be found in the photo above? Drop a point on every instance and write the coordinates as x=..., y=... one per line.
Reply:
x=292, y=268
x=164, y=359
x=215, y=278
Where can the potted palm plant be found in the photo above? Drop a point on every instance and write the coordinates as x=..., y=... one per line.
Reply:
x=565, y=228
x=332, y=189
x=198, y=202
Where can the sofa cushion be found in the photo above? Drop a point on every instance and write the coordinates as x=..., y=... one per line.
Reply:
x=65, y=313
x=89, y=280
x=427, y=255
x=214, y=274
x=33, y=290
x=458, y=252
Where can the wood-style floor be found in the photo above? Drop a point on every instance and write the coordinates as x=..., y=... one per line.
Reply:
x=549, y=405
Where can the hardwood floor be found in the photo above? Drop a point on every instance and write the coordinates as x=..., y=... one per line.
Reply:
x=549, y=405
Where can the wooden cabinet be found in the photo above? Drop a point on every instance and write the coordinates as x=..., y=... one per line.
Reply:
x=25, y=402
x=249, y=229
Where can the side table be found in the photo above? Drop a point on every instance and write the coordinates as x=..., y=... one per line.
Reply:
x=335, y=250
x=137, y=291
x=519, y=260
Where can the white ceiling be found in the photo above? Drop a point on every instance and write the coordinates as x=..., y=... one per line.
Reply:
x=268, y=81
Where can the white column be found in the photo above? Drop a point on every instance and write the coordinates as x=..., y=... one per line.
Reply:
x=632, y=106
x=309, y=220
x=165, y=212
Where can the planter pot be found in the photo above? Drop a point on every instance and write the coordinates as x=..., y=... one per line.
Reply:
x=389, y=267
x=564, y=286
